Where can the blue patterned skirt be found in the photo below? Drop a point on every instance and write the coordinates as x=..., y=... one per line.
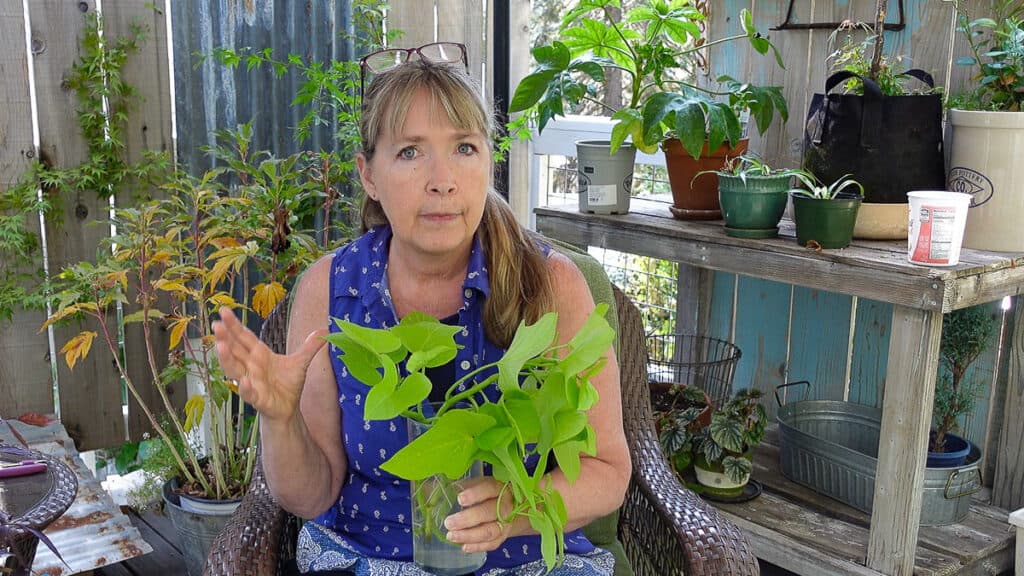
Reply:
x=320, y=548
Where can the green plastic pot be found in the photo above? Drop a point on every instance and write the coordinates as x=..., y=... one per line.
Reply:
x=829, y=223
x=752, y=209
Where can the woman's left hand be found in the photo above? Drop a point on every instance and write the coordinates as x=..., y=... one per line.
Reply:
x=477, y=526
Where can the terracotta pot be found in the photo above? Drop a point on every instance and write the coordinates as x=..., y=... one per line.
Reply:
x=696, y=199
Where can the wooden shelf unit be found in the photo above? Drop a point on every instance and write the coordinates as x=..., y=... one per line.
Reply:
x=867, y=269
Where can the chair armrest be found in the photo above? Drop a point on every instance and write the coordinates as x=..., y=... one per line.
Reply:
x=251, y=542
x=662, y=516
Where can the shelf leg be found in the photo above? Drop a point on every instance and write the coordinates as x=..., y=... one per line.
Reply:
x=902, y=448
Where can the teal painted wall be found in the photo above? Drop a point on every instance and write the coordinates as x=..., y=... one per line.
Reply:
x=789, y=333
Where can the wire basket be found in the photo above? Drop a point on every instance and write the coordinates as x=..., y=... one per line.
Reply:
x=702, y=361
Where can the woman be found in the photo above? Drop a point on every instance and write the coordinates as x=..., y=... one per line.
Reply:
x=437, y=240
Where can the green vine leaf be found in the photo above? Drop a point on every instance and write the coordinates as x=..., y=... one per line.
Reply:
x=363, y=363
x=529, y=341
x=589, y=344
x=448, y=447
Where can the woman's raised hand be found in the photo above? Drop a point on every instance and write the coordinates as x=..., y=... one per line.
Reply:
x=272, y=383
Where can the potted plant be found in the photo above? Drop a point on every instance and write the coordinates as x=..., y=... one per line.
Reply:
x=880, y=123
x=753, y=196
x=986, y=122
x=825, y=214
x=540, y=413
x=724, y=450
x=965, y=335
x=173, y=262
x=680, y=412
x=658, y=46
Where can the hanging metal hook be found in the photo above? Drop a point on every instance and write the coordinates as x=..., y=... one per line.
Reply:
x=900, y=24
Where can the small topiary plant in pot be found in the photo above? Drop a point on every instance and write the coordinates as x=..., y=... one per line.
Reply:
x=965, y=336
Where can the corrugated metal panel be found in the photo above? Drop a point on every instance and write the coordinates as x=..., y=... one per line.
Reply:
x=210, y=97
x=93, y=533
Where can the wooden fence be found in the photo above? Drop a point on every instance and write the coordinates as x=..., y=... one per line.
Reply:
x=38, y=47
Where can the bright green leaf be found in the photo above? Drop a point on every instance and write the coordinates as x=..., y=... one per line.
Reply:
x=528, y=342
x=448, y=447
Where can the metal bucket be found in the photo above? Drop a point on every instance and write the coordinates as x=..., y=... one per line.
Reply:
x=196, y=530
x=832, y=448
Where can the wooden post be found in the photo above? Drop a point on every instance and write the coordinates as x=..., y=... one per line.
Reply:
x=1017, y=519
x=906, y=414
x=25, y=381
x=1008, y=484
x=148, y=129
x=519, y=155
x=90, y=397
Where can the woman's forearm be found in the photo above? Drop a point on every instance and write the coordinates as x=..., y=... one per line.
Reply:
x=298, y=472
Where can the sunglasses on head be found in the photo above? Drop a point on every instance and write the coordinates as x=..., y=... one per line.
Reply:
x=435, y=52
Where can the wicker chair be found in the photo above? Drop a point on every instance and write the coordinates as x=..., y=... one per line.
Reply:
x=665, y=528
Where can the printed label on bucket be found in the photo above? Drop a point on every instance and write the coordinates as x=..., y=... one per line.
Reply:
x=935, y=237
x=601, y=194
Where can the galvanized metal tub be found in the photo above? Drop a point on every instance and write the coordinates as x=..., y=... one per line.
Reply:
x=832, y=448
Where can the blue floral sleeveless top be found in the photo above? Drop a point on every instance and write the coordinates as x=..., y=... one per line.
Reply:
x=368, y=530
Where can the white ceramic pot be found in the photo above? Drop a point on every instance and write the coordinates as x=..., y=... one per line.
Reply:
x=719, y=480
x=986, y=152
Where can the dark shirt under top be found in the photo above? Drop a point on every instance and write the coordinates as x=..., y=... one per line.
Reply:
x=442, y=377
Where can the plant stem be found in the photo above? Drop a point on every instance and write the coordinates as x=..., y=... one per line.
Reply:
x=135, y=394
x=145, y=297
x=876, y=57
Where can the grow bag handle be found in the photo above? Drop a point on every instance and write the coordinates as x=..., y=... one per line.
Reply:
x=787, y=385
x=871, y=117
x=964, y=487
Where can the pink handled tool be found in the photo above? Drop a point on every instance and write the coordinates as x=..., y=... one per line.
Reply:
x=23, y=468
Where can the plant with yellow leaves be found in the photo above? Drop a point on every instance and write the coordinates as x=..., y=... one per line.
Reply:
x=172, y=263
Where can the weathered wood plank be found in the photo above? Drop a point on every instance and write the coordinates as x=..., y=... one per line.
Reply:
x=740, y=61
x=801, y=540
x=16, y=114
x=926, y=41
x=997, y=409
x=764, y=365
x=722, y=307
x=819, y=341
x=148, y=129
x=870, y=352
x=899, y=478
x=693, y=296
x=25, y=381
x=465, y=22
x=519, y=155
x=871, y=269
x=1008, y=484
x=415, y=18
x=157, y=530
x=90, y=397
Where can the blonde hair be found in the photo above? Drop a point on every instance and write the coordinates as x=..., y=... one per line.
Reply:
x=520, y=281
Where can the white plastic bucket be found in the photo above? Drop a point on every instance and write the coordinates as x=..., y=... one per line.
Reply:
x=936, y=231
x=605, y=180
